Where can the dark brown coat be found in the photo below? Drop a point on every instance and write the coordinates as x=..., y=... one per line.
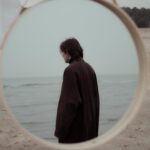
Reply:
x=78, y=108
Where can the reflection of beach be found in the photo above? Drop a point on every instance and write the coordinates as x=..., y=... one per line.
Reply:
x=32, y=106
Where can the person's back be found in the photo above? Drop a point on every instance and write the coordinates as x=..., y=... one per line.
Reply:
x=78, y=108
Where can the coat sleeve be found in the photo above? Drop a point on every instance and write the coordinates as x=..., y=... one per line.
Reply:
x=69, y=102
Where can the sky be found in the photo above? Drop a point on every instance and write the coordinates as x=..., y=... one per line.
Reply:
x=32, y=47
x=134, y=3
x=130, y=3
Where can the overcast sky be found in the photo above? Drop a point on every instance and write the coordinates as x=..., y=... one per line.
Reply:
x=32, y=48
x=133, y=3
x=109, y=64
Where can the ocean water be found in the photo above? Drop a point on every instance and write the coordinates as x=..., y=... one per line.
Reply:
x=34, y=101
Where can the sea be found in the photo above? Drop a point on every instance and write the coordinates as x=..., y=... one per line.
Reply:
x=34, y=100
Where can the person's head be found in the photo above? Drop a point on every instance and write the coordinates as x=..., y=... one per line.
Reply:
x=71, y=49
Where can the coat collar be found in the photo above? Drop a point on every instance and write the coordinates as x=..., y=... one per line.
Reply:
x=75, y=59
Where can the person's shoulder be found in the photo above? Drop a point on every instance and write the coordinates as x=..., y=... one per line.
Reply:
x=68, y=69
x=89, y=66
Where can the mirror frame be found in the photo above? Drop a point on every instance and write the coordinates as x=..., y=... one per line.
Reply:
x=18, y=137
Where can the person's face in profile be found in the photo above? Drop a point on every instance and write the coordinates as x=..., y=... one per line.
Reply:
x=65, y=56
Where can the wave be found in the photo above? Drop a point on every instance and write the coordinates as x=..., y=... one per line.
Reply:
x=112, y=119
x=33, y=84
x=32, y=122
x=28, y=85
x=6, y=86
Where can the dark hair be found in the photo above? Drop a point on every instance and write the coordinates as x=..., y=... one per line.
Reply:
x=72, y=47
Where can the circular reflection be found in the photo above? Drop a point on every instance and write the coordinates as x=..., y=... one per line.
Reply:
x=33, y=67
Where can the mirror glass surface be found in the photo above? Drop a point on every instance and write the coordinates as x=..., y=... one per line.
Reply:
x=32, y=67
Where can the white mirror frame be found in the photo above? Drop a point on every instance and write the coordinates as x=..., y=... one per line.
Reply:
x=131, y=132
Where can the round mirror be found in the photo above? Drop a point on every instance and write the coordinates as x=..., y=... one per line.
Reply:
x=33, y=66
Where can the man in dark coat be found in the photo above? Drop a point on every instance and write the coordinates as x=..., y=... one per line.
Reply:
x=78, y=108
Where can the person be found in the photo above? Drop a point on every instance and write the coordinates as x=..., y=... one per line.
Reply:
x=77, y=118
